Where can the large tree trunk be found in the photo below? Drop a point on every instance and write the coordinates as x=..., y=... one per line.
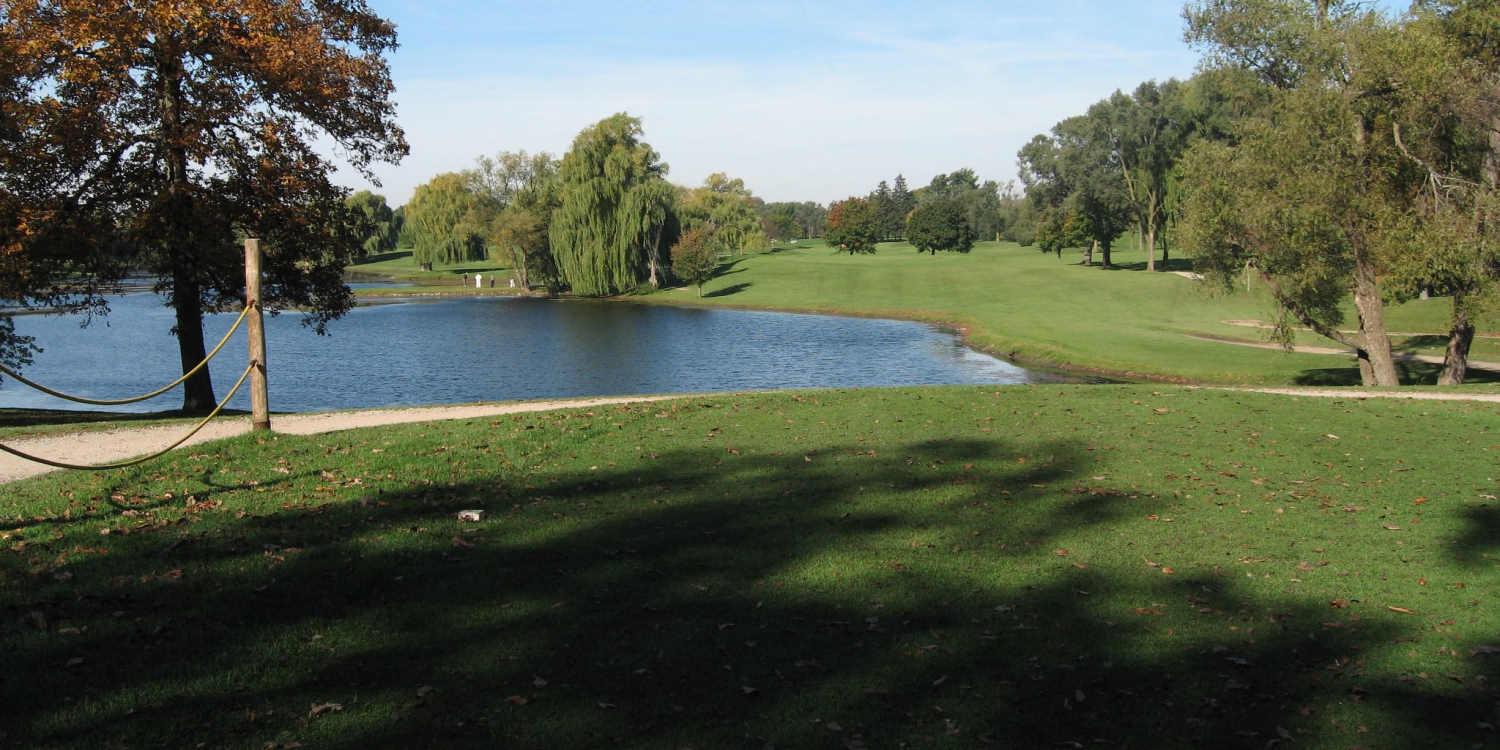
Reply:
x=652, y=255
x=1377, y=366
x=1104, y=247
x=1460, y=337
x=1088, y=255
x=198, y=390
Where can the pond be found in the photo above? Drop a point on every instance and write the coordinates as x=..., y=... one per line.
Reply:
x=493, y=349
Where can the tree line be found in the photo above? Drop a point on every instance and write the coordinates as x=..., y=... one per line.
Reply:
x=602, y=219
x=950, y=213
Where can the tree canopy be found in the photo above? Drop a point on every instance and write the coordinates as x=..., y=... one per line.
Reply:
x=446, y=220
x=615, y=208
x=156, y=134
x=854, y=225
x=939, y=224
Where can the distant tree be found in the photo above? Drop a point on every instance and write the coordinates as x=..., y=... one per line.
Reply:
x=519, y=233
x=779, y=222
x=616, y=206
x=940, y=224
x=441, y=219
x=1148, y=132
x=885, y=206
x=497, y=179
x=730, y=208
x=1073, y=171
x=813, y=217
x=853, y=226
x=695, y=257
x=158, y=134
x=903, y=201
x=378, y=222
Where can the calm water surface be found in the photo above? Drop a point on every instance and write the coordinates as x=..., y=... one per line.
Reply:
x=464, y=350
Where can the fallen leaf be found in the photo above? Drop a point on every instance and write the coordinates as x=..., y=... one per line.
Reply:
x=1402, y=610
x=323, y=708
x=1146, y=611
x=1391, y=527
x=605, y=705
x=461, y=542
x=1419, y=501
x=539, y=682
x=1167, y=570
x=519, y=700
x=1061, y=552
x=1338, y=603
x=424, y=691
x=747, y=690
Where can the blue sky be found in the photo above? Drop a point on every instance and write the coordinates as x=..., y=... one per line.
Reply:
x=804, y=101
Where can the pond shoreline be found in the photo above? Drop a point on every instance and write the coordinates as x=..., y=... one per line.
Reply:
x=1066, y=370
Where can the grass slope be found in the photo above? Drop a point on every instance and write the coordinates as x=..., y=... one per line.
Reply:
x=945, y=567
x=1026, y=305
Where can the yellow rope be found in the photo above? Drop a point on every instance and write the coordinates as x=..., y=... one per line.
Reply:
x=153, y=394
x=142, y=459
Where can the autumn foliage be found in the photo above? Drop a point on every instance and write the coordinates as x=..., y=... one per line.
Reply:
x=156, y=134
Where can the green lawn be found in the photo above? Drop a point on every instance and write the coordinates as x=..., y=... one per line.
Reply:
x=1025, y=305
x=447, y=279
x=1051, y=566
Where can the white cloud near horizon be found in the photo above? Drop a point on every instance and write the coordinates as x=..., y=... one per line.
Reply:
x=825, y=111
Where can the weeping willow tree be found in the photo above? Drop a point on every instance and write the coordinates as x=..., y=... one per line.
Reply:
x=616, y=207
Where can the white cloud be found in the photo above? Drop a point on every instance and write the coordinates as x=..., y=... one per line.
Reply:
x=819, y=125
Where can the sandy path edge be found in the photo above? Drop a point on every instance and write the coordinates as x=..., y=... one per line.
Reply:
x=106, y=446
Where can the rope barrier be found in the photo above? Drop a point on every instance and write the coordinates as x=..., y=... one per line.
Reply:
x=153, y=394
x=142, y=459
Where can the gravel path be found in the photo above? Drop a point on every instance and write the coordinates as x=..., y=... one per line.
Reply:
x=107, y=446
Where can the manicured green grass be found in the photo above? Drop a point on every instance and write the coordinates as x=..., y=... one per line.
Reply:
x=1057, y=566
x=1025, y=305
x=447, y=279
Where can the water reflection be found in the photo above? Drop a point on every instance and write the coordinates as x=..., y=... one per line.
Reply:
x=474, y=349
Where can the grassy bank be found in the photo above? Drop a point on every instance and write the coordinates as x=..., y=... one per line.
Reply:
x=947, y=567
x=1035, y=308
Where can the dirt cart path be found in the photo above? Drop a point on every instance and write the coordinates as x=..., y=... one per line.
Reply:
x=100, y=447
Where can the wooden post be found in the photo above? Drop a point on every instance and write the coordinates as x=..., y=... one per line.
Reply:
x=260, y=409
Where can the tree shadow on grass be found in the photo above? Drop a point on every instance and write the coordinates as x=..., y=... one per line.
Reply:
x=1171, y=264
x=698, y=598
x=1411, y=372
x=729, y=290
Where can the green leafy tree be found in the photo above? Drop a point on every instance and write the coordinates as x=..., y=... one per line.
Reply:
x=528, y=189
x=1147, y=133
x=1311, y=191
x=940, y=224
x=903, y=202
x=616, y=207
x=1446, y=69
x=728, y=206
x=779, y=222
x=157, y=135
x=1074, y=171
x=695, y=257
x=378, y=222
x=443, y=220
x=853, y=226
